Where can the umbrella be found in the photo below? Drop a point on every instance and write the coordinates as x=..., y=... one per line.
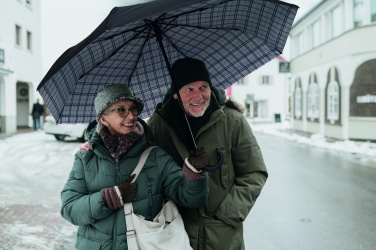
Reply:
x=135, y=45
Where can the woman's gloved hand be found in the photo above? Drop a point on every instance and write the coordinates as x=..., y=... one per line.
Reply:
x=128, y=189
x=116, y=196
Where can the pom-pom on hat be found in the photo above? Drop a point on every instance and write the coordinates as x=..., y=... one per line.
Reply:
x=187, y=70
x=114, y=93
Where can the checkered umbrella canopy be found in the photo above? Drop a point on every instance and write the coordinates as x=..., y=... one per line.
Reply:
x=232, y=37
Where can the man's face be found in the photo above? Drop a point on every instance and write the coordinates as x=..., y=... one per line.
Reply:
x=195, y=97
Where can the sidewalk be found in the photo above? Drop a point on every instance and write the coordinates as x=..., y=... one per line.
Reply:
x=307, y=134
x=34, y=167
x=25, y=226
x=362, y=148
x=19, y=131
x=286, y=129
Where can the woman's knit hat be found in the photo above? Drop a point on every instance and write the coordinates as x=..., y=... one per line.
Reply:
x=114, y=93
x=187, y=70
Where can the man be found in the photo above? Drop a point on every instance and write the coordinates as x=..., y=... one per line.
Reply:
x=216, y=126
x=36, y=113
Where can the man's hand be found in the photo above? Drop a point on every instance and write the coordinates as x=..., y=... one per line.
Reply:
x=198, y=158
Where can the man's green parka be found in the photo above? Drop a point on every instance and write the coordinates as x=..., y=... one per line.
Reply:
x=233, y=189
x=161, y=178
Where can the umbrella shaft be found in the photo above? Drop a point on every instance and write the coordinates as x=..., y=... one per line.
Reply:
x=158, y=32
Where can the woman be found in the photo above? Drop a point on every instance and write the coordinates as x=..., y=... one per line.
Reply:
x=100, y=181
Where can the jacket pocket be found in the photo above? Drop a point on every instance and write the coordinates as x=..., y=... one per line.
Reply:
x=222, y=236
x=225, y=175
x=88, y=243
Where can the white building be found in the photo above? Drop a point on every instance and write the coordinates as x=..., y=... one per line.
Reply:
x=264, y=93
x=20, y=67
x=333, y=70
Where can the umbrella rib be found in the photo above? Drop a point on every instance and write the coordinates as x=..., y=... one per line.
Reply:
x=173, y=45
x=134, y=29
x=270, y=28
x=168, y=39
x=196, y=10
x=139, y=56
x=115, y=51
x=171, y=26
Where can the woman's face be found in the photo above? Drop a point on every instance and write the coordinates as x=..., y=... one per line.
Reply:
x=116, y=118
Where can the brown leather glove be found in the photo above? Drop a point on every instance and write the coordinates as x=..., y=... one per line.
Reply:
x=128, y=189
x=198, y=158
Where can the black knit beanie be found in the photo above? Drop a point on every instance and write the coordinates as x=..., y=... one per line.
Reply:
x=187, y=70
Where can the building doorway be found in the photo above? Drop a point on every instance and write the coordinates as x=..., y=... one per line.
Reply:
x=22, y=95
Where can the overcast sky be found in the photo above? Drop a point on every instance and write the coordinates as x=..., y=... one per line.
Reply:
x=66, y=23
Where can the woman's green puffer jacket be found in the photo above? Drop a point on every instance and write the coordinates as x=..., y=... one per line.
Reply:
x=161, y=178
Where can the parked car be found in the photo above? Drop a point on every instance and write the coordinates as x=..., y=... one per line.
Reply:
x=62, y=131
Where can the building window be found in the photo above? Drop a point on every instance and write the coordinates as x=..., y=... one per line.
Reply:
x=373, y=10
x=18, y=35
x=336, y=22
x=29, y=40
x=333, y=97
x=2, y=56
x=313, y=99
x=314, y=33
x=358, y=13
x=362, y=91
x=298, y=99
x=333, y=102
x=240, y=82
x=265, y=80
x=299, y=45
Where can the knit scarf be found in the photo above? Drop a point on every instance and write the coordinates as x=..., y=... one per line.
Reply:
x=119, y=145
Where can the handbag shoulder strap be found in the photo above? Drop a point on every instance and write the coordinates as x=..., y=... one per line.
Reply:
x=141, y=162
x=128, y=208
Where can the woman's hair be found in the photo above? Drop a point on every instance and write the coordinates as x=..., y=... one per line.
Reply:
x=100, y=125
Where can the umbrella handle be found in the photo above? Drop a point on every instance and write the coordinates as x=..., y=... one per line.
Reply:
x=213, y=168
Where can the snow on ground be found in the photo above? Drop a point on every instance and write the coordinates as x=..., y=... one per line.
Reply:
x=316, y=140
x=34, y=167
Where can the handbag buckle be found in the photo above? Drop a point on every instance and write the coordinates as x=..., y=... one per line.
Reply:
x=131, y=233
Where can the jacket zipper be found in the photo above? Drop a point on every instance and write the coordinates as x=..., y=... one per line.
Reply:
x=118, y=212
x=151, y=201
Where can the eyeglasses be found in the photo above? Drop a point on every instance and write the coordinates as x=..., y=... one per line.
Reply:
x=123, y=111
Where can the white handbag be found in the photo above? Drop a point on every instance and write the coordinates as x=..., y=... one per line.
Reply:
x=166, y=231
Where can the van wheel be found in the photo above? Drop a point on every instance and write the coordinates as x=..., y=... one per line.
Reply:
x=81, y=139
x=60, y=137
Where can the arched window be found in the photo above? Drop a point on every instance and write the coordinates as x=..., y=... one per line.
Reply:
x=373, y=11
x=313, y=99
x=358, y=13
x=333, y=101
x=333, y=97
x=363, y=91
x=298, y=95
